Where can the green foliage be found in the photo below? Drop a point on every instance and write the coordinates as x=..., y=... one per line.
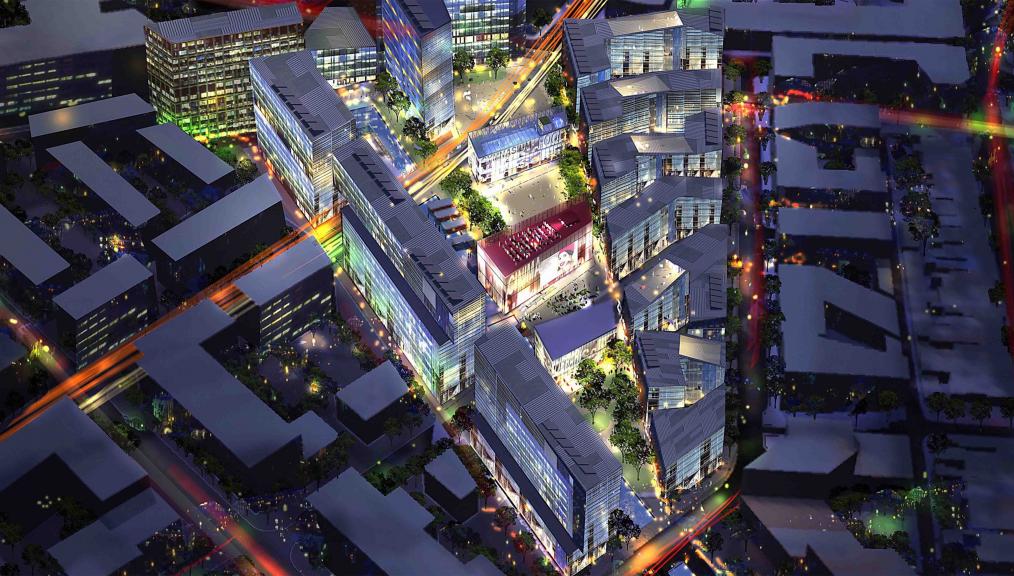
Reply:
x=426, y=148
x=732, y=166
x=997, y=293
x=246, y=170
x=481, y=212
x=761, y=67
x=540, y=17
x=554, y=84
x=385, y=83
x=572, y=170
x=497, y=59
x=593, y=395
x=622, y=526
x=14, y=13
x=937, y=402
x=887, y=400
x=462, y=61
x=398, y=101
x=456, y=183
x=733, y=69
x=505, y=517
x=620, y=352
x=734, y=133
x=415, y=128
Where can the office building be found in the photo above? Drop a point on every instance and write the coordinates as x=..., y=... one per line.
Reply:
x=552, y=466
x=653, y=102
x=563, y=342
x=290, y=294
x=432, y=305
x=597, y=50
x=675, y=370
x=72, y=52
x=368, y=401
x=418, y=51
x=669, y=209
x=106, y=309
x=504, y=150
x=623, y=165
x=670, y=289
x=478, y=27
x=688, y=441
x=300, y=122
x=198, y=68
x=345, y=52
x=520, y=261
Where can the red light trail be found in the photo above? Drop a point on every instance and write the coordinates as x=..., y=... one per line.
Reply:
x=709, y=520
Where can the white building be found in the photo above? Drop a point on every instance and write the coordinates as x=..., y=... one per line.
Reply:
x=504, y=150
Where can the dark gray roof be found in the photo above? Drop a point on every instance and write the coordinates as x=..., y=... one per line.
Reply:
x=227, y=213
x=618, y=155
x=173, y=357
x=228, y=23
x=26, y=251
x=297, y=82
x=64, y=431
x=105, y=183
x=560, y=423
x=88, y=114
x=677, y=431
x=452, y=474
x=374, y=391
x=588, y=38
x=604, y=101
x=569, y=332
x=800, y=114
x=911, y=19
x=706, y=20
x=338, y=28
x=429, y=250
x=656, y=196
x=107, y=283
x=189, y=153
x=70, y=28
x=658, y=353
x=830, y=223
x=112, y=541
x=517, y=131
x=426, y=15
x=285, y=270
x=10, y=351
x=389, y=529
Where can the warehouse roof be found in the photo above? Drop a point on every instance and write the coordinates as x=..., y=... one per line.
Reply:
x=87, y=114
x=452, y=474
x=283, y=271
x=835, y=223
x=798, y=167
x=186, y=151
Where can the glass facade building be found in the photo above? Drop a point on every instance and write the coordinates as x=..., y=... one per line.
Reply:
x=676, y=370
x=479, y=26
x=345, y=52
x=688, y=441
x=504, y=150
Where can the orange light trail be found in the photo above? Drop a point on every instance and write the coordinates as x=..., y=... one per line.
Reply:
x=709, y=520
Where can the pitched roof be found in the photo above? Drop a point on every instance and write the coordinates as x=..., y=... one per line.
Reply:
x=186, y=151
x=618, y=155
x=564, y=334
x=338, y=28
x=656, y=197
x=517, y=131
x=283, y=271
x=604, y=101
x=678, y=431
x=513, y=248
x=228, y=22
x=88, y=114
x=26, y=251
x=588, y=39
x=294, y=78
x=426, y=15
x=374, y=391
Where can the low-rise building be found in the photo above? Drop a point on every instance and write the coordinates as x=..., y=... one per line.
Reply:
x=345, y=52
x=11, y=356
x=174, y=156
x=562, y=343
x=688, y=441
x=33, y=264
x=300, y=122
x=517, y=263
x=448, y=482
x=675, y=370
x=371, y=399
x=116, y=116
x=501, y=151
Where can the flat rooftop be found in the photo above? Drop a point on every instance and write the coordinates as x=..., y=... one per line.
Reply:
x=26, y=251
x=942, y=63
x=218, y=219
x=677, y=431
x=70, y=28
x=186, y=151
x=842, y=224
x=105, y=183
x=798, y=167
x=294, y=78
x=283, y=271
x=389, y=529
x=10, y=351
x=656, y=197
x=588, y=38
x=802, y=114
x=98, y=289
x=452, y=474
x=228, y=23
x=604, y=101
x=369, y=394
x=89, y=113
x=514, y=248
x=564, y=334
x=517, y=131
x=338, y=28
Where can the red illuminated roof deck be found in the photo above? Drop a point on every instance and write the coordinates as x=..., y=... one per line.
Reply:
x=513, y=248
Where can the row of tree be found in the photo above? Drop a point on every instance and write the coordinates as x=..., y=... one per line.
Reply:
x=482, y=213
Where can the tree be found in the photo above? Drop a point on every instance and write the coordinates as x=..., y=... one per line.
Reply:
x=734, y=133
x=554, y=83
x=774, y=374
x=398, y=102
x=486, y=486
x=772, y=284
x=588, y=370
x=392, y=427
x=246, y=170
x=415, y=128
x=738, y=527
x=639, y=454
x=937, y=402
x=761, y=67
x=462, y=61
x=622, y=526
x=766, y=169
x=505, y=517
x=955, y=408
x=813, y=405
x=980, y=410
x=713, y=541
x=997, y=293
x=625, y=437
x=733, y=69
x=1007, y=410
x=593, y=396
x=540, y=18
x=861, y=407
x=887, y=400
x=732, y=166
x=525, y=543
x=9, y=569
x=37, y=557
x=938, y=442
x=497, y=59
x=620, y=352
x=11, y=533
x=426, y=148
x=457, y=182
x=385, y=84
x=462, y=419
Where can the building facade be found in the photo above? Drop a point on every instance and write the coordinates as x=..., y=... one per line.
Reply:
x=433, y=307
x=505, y=150
x=688, y=442
x=418, y=50
x=552, y=466
x=675, y=370
x=198, y=68
x=480, y=26
x=520, y=261
x=562, y=343
x=345, y=52
x=300, y=122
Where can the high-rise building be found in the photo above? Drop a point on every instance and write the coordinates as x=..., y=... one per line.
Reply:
x=418, y=50
x=549, y=461
x=504, y=150
x=433, y=306
x=479, y=26
x=300, y=122
x=198, y=68
x=345, y=51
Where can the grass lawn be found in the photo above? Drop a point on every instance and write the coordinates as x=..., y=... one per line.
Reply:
x=484, y=74
x=885, y=524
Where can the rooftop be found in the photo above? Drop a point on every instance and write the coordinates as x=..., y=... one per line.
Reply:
x=513, y=248
x=618, y=155
x=942, y=63
x=10, y=351
x=112, y=541
x=338, y=28
x=302, y=89
x=228, y=23
x=800, y=114
x=560, y=423
x=107, y=283
x=105, y=182
x=186, y=151
x=452, y=474
x=227, y=213
x=517, y=131
x=798, y=167
x=426, y=15
x=65, y=432
x=659, y=353
x=87, y=114
x=986, y=465
x=173, y=357
x=26, y=251
x=604, y=101
x=369, y=394
x=677, y=431
x=655, y=197
x=388, y=529
x=564, y=334
x=285, y=270
x=835, y=224
x=69, y=28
